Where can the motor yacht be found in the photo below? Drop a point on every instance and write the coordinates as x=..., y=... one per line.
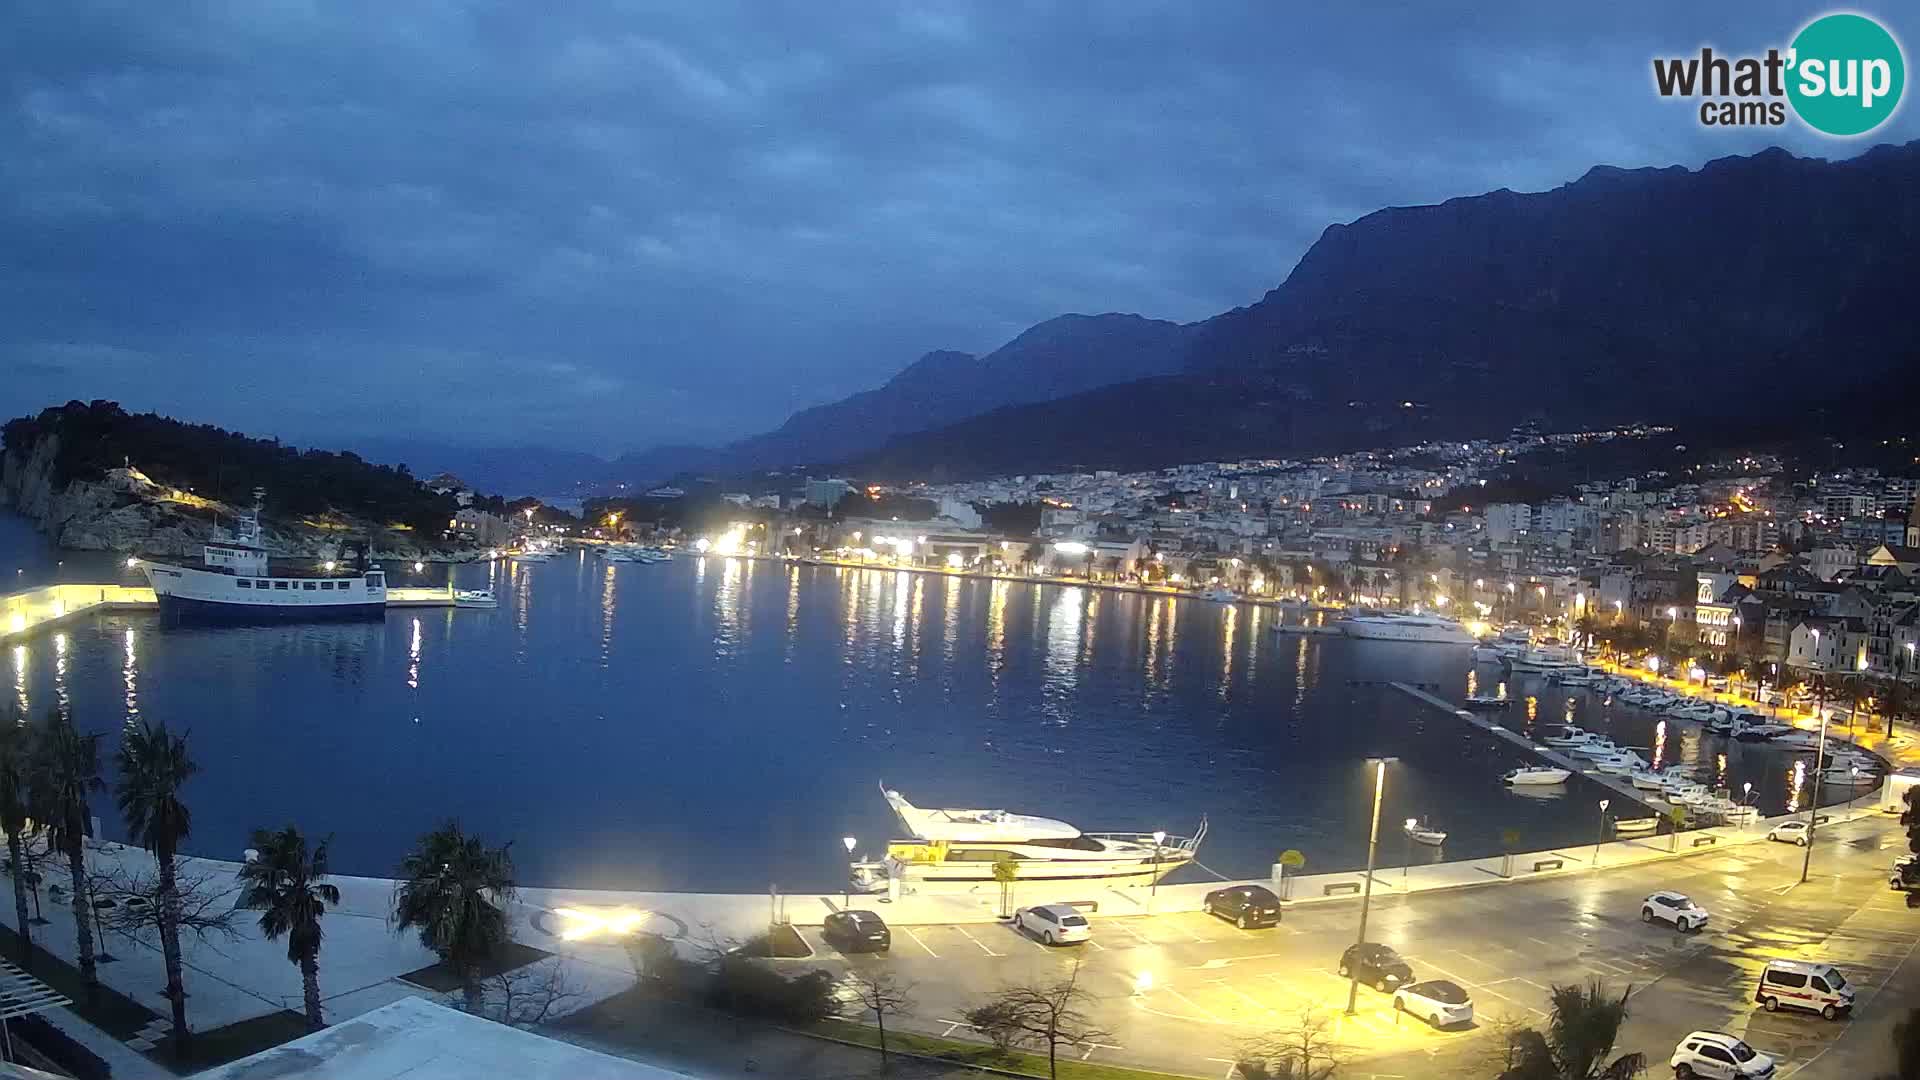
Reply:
x=1596, y=746
x=1423, y=833
x=958, y=848
x=1567, y=736
x=1635, y=826
x=1537, y=775
x=475, y=598
x=1758, y=732
x=1620, y=764
x=1646, y=779
x=1386, y=626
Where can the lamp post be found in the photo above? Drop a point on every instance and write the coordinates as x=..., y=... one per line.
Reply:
x=1819, y=768
x=1853, y=787
x=1408, y=832
x=1153, y=890
x=1600, y=833
x=846, y=896
x=1366, y=894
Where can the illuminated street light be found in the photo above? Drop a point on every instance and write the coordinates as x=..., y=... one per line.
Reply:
x=1366, y=895
x=846, y=897
x=1601, y=834
x=1142, y=983
x=1819, y=770
x=327, y=566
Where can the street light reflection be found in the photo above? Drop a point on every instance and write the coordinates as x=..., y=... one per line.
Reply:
x=581, y=923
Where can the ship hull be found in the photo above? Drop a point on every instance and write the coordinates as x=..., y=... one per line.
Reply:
x=188, y=609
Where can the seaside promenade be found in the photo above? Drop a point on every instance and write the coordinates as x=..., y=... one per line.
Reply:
x=35, y=611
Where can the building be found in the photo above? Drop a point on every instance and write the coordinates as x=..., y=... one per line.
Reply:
x=826, y=493
x=478, y=527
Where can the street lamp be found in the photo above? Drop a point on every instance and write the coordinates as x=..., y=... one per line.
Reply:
x=846, y=897
x=1153, y=890
x=1819, y=769
x=1601, y=833
x=1366, y=895
x=1411, y=822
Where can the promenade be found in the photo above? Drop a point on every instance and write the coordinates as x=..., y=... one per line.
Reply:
x=35, y=611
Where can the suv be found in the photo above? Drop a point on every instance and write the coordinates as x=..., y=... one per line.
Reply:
x=1376, y=965
x=1245, y=906
x=1719, y=1056
x=1906, y=873
x=1673, y=907
x=856, y=931
x=1814, y=987
x=1055, y=924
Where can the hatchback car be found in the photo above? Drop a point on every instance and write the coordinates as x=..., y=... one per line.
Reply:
x=1376, y=965
x=1673, y=907
x=1245, y=906
x=856, y=931
x=1055, y=924
x=1790, y=832
x=1437, y=1001
x=1719, y=1056
x=1905, y=873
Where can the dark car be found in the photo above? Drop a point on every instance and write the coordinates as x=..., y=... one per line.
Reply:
x=1245, y=906
x=1376, y=965
x=856, y=931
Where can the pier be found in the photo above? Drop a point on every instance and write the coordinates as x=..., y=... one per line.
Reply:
x=24, y=614
x=1612, y=783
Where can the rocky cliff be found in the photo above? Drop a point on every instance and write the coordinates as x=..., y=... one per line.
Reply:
x=126, y=512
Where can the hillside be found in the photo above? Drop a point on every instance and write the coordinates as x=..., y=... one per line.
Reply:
x=92, y=475
x=1661, y=294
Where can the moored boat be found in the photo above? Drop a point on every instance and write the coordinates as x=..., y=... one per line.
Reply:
x=1537, y=775
x=237, y=582
x=958, y=848
x=1423, y=833
x=475, y=598
x=1386, y=626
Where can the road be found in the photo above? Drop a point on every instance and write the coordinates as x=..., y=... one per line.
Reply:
x=1181, y=991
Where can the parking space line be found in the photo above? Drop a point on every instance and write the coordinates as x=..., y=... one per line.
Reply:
x=1195, y=1006
x=1252, y=1001
x=977, y=941
x=1091, y=1047
x=922, y=944
x=1097, y=947
x=1138, y=936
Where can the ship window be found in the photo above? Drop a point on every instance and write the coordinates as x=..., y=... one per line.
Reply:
x=244, y=583
x=982, y=855
x=1074, y=843
x=309, y=586
x=326, y=586
x=259, y=583
x=279, y=584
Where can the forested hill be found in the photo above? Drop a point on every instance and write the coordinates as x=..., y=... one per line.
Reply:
x=82, y=441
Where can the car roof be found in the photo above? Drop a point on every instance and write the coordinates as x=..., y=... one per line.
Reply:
x=1713, y=1036
x=1056, y=909
x=1812, y=967
x=862, y=916
x=1444, y=990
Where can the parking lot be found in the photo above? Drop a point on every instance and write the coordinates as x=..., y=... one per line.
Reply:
x=1181, y=991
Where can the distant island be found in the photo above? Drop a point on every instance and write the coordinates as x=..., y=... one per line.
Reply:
x=95, y=477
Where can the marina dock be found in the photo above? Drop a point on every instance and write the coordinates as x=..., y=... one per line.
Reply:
x=1612, y=783
x=24, y=614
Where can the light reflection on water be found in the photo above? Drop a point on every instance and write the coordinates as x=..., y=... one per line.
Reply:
x=721, y=723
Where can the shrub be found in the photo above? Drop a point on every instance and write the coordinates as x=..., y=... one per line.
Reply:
x=750, y=988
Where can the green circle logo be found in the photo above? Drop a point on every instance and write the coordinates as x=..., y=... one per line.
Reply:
x=1846, y=74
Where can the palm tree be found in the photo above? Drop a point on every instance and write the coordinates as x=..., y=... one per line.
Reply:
x=289, y=887
x=1580, y=1034
x=66, y=772
x=154, y=766
x=16, y=769
x=454, y=890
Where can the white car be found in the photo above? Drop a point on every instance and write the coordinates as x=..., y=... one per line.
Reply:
x=1669, y=906
x=1719, y=1056
x=1436, y=1001
x=1790, y=832
x=1055, y=924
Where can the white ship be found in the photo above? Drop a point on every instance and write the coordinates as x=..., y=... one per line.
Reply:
x=953, y=847
x=236, y=583
x=1386, y=627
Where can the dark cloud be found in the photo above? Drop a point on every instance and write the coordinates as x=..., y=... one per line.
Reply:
x=607, y=225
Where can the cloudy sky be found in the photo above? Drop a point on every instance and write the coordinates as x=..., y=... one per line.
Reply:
x=605, y=225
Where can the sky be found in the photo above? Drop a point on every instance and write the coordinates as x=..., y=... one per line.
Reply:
x=603, y=226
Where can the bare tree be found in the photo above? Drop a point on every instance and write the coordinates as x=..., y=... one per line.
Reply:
x=1038, y=1014
x=529, y=996
x=1301, y=1049
x=883, y=996
x=129, y=901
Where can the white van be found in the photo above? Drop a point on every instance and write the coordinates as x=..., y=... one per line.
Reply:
x=1814, y=987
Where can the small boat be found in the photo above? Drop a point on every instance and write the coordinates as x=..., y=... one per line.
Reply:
x=1798, y=740
x=1535, y=775
x=531, y=556
x=1633, y=826
x=1423, y=833
x=1849, y=777
x=1568, y=736
x=1595, y=747
x=1759, y=732
x=1487, y=701
x=1485, y=654
x=1646, y=779
x=1220, y=596
x=475, y=598
x=1621, y=764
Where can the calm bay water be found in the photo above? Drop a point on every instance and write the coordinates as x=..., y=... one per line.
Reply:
x=720, y=724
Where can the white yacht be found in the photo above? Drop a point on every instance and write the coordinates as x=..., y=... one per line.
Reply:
x=959, y=847
x=1220, y=595
x=1546, y=657
x=475, y=598
x=1423, y=833
x=1537, y=775
x=1389, y=627
x=237, y=583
